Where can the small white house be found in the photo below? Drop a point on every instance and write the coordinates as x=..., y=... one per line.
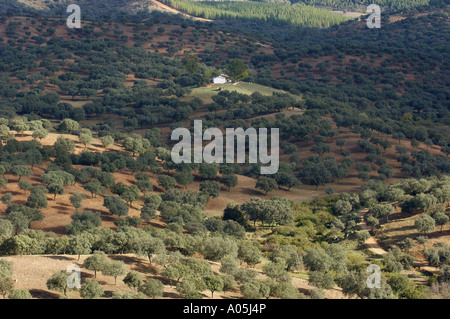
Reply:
x=221, y=79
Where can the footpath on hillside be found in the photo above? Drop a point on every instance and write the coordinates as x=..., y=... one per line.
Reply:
x=176, y=11
x=371, y=242
x=376, y=249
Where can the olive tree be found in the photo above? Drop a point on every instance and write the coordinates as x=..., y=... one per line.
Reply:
x=425, y=224
x=114, y=269
x=152, y=288
x=91, y=289
x=59, y=282
x=96, y=262
x=213, y=283
x=133, y=280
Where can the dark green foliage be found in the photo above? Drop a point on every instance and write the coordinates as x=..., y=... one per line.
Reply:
x=76, y=199
x=271, y=212
x=287, y=180
x=208, y=171
x=438, y=255
x=354, y=284
x=94, y=187
x=21, y=171
x=91, y=289
x=83, y=221
x=148, y=212
x=266, y=184
x=236, y=69
x=249, y=253
x=152, y=288
x=233, y=212
x=229, y=181
x=115, y=205
x=321, y=279
x=133, y=280
x=166, y=181
x=258, y=11
x=58, y=282
x=184, y=178
x=316, y=175
x=396, y=260
x=130, y=194
x=96, y=262
x=210, y=188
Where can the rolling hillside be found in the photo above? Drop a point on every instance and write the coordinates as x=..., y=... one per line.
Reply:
x=88, y=178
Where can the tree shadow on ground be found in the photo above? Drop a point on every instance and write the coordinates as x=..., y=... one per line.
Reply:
x=62, y=209
x=403, y=228
x=252, y=192
x=85, y=275
x=399, y=215
x=156, y=225
x=43, y=294
x=59, y=230
x=106, y=217
x=126, y=259
x=436, y=234
x=171, y=295
x=166, y=281
x=58, y=257
x=144, y=267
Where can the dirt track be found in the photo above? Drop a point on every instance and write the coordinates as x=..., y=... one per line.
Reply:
x=175, y=11
x=371, y=243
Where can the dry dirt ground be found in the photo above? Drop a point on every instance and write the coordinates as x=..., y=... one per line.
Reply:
x=401, y=226
x=32, y=272
x=371, y=242
x=58, y=212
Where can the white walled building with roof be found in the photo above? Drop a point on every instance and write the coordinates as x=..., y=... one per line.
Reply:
x=221, y=79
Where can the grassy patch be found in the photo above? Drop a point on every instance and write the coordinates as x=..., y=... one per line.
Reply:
x=205, y=93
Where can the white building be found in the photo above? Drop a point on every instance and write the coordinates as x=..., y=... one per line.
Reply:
x=221, y=79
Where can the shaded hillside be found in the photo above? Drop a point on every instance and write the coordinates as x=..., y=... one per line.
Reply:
x=89, y=8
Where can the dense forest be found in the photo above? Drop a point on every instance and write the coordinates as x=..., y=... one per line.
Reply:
x=298, y=15
x=358, y=4
x=286, y=10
